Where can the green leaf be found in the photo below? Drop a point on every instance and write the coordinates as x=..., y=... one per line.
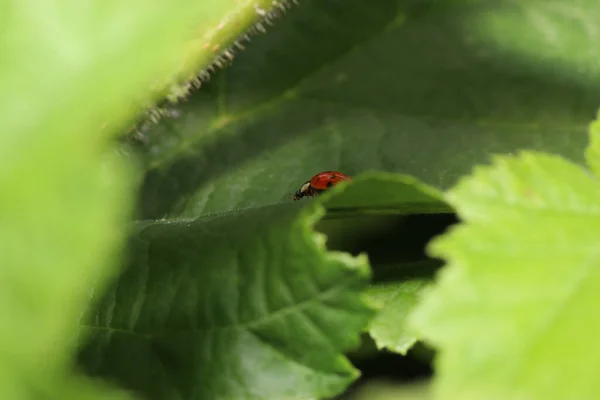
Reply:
x=217, y=29
x=382, y=192
x=241, y=305
x=513, y=313
x=554, y=32
x=398, y=298
x=382, y=390
x=360, y=217
x=67, y=69
x=592, y=153
x=421, y=88
x=245, y=307
x=352, y=208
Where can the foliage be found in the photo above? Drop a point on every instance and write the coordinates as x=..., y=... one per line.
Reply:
x=222, y=287
x=521, y=283
x=398, y=298
x=251, y=294
x=66, y=191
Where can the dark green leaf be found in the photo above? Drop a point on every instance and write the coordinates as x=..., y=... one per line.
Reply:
x=424, y=88
x=243, y=305
x=246, y=306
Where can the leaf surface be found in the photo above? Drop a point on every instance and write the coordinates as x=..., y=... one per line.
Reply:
x=592, y=153
x=513, y=312
x=216, y=30
x=382, y=390
x=398, y=298
x=244, y=307
x=66, y=70
x=240, y=305
x=426, y=89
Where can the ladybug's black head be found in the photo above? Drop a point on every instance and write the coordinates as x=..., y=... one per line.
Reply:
x=298, y=195
x=303, y=191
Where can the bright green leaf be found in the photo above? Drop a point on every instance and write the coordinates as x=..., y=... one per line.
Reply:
x=592, y=153
x=513, y=313
x=385, y=193
x=420, y=88
x=67, y=68
x=382, y=390
x=398, y=298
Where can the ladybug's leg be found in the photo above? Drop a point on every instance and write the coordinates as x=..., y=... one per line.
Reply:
x=315, y=192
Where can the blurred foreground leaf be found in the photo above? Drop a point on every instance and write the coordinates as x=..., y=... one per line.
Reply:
x=219, y=26
x=522, y=281
x=66, y=70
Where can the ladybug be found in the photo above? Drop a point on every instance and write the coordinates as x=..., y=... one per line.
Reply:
x=319, y=183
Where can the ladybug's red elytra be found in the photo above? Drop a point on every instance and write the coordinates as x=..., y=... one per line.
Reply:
x=319, y=183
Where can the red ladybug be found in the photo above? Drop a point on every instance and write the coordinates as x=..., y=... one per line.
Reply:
x=319, y=183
